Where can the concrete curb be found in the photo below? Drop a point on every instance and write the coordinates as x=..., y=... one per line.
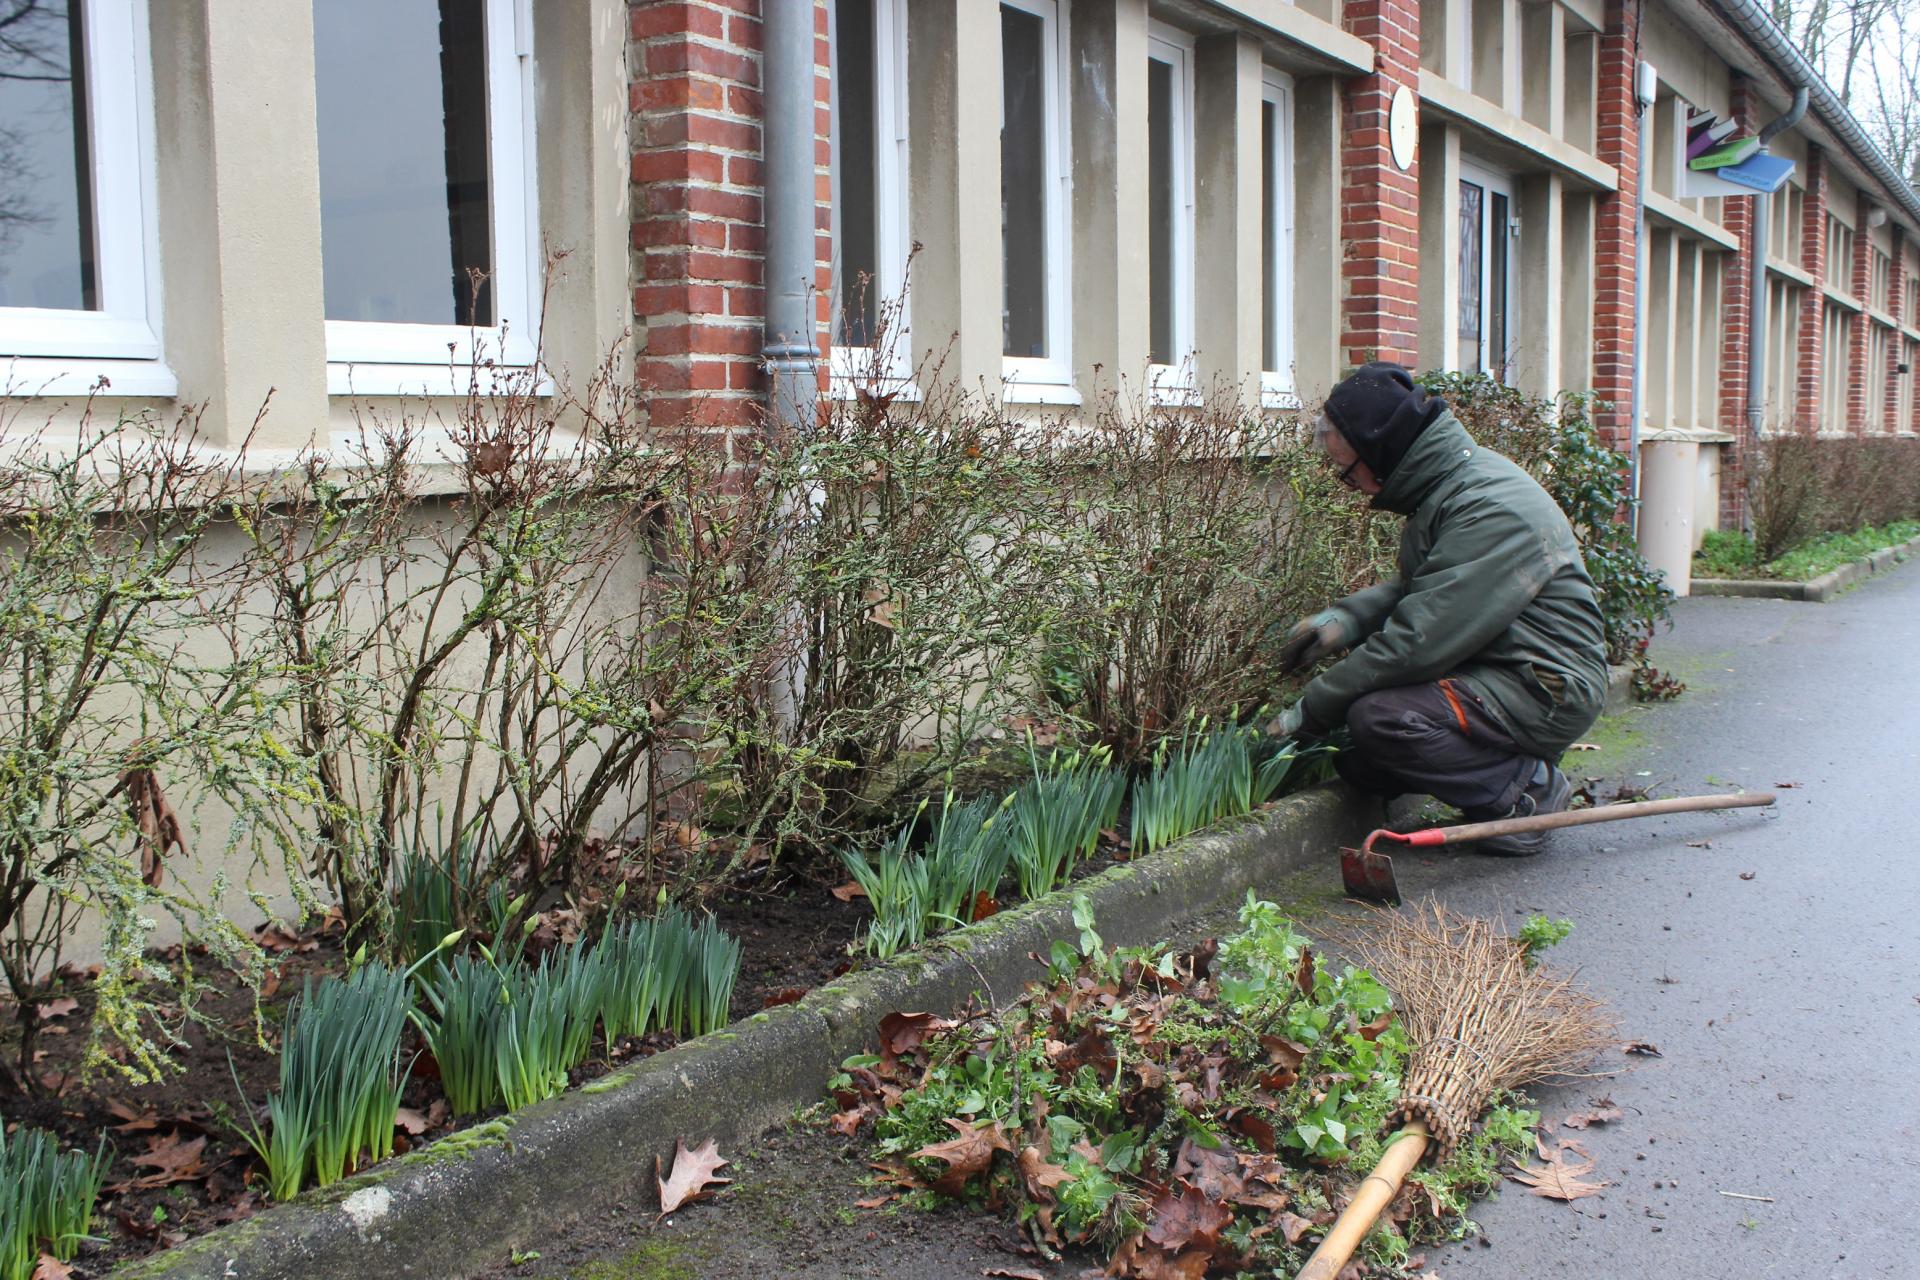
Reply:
x=1816, y=590
x=466, y=1201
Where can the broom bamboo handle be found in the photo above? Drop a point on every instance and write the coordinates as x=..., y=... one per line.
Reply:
x=1403, y=1152
x=1601, y=813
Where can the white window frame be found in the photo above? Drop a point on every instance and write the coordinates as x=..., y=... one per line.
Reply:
x=860, y=366
x=375, y=358
x=60, y=351
x=1277, y=390
x=1493, y=183
x=1049, y=380
x=1177, y=383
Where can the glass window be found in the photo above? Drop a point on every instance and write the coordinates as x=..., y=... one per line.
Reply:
x=427, y=198
x=1276, y=240
x=858, y=158
x=404, y=175
x=1472, y=198
x=46, y=186
x=1486, y=233
x=1163, y=176
x=1024, y=184
x=870, y=207
x=76, y=197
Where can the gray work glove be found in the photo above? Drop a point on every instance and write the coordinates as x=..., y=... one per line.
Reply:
x=1312, y=639
x=1295, y=723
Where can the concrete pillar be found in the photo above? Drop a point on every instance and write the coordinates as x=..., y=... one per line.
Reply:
x=1317, y=219
x=1669, y=480
x=1684, y=396
x=1379, y=200
x=953, y=113
x=1578, y=119
x=1543, y=272
x=238, y=168
x=1108, y=54
x=1576, y=291
x=1440, y=246
x=1228, y=213
x=1657, y=391
x=1542, y=70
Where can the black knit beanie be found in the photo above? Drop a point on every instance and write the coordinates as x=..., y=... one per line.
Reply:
x=1380, y=412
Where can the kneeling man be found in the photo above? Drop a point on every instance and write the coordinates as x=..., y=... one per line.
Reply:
x=1469, y=676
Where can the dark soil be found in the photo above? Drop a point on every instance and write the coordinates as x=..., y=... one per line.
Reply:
x=793, y=1211
x=792, y=939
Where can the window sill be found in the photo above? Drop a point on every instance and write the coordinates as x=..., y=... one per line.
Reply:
x=43, y=377
x=1015, y=391
x=1279, y=399
x=427, y=380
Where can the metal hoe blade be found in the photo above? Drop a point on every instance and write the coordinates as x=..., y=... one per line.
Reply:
x=1369, y=873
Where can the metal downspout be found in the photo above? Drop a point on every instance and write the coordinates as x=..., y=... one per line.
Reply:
x=789, y=346
x=1757, y=279
x=1643, y=96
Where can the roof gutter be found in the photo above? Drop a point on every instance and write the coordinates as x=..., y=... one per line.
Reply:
x=1757, y=25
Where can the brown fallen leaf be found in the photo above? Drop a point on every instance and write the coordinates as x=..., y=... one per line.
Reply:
x=692, y=1175
x=1604, y=1112
x=984, y=906
x=1747, y=875
x=1011, y=1273
x=1040, y=1174
x=1562, y=1176
x=848, y=892
x=875, y=1203
x=786, y=995
x=902, y=1032
x=1786, y=786
x=1699, y=844
x=966, y=1155
x=1642, y=1048
x=51, y=1268
x=411, y=1122
x=1188, y=1220
x=1294, y=1227
x=847, y=1123
x=173, y=1157
x=56, y=1008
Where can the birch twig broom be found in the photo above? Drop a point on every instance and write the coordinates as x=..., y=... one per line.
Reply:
x=1481, y=1019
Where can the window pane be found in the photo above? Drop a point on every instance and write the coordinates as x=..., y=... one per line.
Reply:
x=404, y=215
x=1161, y=197
x=1470, y=264
x=1498, y=241
x=1023, y=182
x=854, y=82
x=1269, y=236
x=46, y=197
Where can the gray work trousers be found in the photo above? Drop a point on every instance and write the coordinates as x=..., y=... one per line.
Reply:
x=1438, y=740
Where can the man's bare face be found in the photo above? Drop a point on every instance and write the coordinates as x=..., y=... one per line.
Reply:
x=1354, y=473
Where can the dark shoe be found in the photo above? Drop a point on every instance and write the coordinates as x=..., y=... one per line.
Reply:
x=1551, y=796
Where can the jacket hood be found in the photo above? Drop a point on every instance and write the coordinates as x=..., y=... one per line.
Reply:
x=1434, y=454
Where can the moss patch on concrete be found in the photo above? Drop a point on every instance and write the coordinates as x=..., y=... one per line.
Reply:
x=1622, y=741
x=654, y=1260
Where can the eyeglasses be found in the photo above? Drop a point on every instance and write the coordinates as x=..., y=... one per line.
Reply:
x=1346, y=474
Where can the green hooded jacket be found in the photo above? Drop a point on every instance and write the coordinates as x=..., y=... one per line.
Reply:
x=1492, y=590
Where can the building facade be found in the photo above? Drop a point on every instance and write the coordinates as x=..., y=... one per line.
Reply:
x=338, y=205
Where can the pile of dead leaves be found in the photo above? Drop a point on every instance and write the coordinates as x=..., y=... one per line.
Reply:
x=1128, y=1108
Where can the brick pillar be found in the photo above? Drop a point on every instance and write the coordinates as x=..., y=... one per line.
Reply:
x=1863, y=328
x=1617, y=224
x=1813, y=260
x=1738, y=301
x=1380, y=205
x=698, y=234
x=1896, y=342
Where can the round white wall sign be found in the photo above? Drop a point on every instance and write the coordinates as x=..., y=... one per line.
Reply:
x=1403, y=128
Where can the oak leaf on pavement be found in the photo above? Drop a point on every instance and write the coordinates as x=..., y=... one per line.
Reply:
x=692, y=1176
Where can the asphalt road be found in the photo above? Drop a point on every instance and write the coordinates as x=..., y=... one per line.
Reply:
x=1770, y=955
x=1777, y=970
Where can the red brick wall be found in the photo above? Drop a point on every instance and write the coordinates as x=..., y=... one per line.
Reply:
x=698, y=242
x=1813, y=260
x=1380, y=205
x=1616, y=225
x=1864, y=329
x=1736, y=333
x=1896, y=344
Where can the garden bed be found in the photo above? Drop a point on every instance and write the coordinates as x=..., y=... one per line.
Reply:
x=1815, y=571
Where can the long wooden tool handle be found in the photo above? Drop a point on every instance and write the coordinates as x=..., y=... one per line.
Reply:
x=1403, y=1152
x=1599, y=813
